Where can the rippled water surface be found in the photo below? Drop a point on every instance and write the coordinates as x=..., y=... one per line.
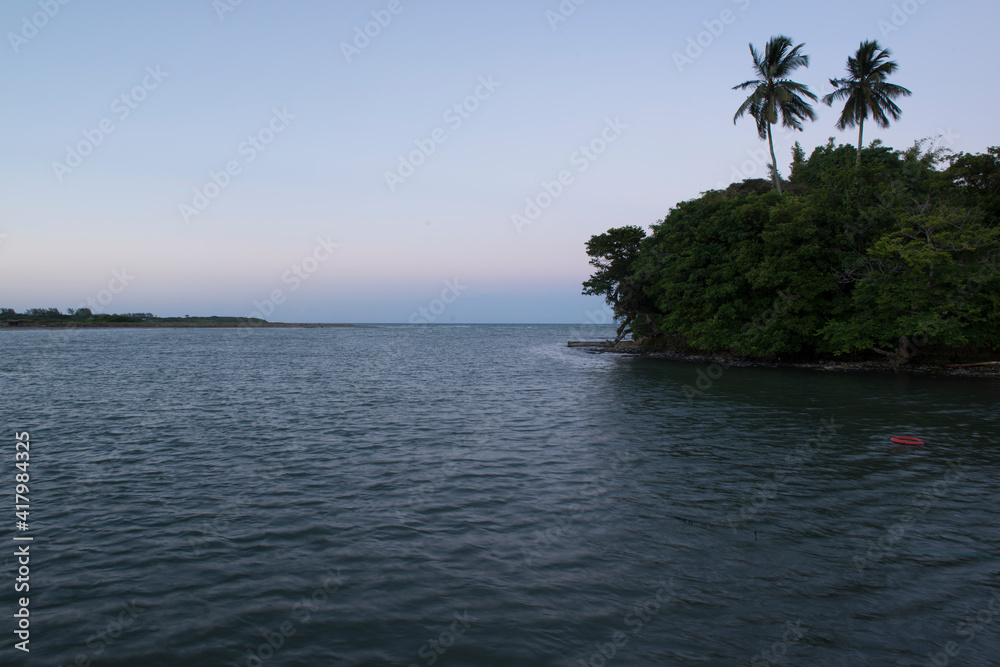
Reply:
x=487, y=496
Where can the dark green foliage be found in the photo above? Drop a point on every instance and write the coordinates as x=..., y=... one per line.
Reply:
x=856, y=258
x=740, y=272
x=614, y=254
x=978, y=173
x=84, y=317
x=977, y=180
x=798, y=157
x=117, y=319
x=915, y=279
x=45, y=313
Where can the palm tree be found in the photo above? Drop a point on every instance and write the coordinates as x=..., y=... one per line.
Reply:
x=866, y=90
x=774, y=96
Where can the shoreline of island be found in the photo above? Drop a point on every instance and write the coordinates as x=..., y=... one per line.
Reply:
x=720, y=361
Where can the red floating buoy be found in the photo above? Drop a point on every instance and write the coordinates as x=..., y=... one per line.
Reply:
x=906, y=440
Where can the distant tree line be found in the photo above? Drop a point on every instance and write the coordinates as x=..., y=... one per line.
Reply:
x=79, y=314
x=84, y=317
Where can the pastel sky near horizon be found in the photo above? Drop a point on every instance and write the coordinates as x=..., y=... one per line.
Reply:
x=235, y=157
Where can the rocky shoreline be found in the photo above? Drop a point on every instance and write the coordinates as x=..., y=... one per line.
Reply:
x=915, y=368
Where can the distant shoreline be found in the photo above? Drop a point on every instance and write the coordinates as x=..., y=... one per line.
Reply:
x=175, y=325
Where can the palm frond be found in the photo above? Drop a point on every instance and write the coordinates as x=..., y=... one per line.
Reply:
x=865, y=91
x=775, y=97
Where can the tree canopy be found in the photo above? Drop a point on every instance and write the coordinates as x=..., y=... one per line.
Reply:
x=614, y=254
x=855, y=259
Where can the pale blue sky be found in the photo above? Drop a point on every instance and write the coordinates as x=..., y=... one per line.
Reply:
x=277, y=71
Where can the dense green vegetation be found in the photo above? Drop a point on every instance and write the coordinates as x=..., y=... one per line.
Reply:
x=871, y=251
x=892, y=254
x=83, y=317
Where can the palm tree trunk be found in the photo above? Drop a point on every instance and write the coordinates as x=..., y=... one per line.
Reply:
x=774, y=160
x=861, y=133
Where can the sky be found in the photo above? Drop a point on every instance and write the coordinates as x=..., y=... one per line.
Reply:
x=408, y=160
